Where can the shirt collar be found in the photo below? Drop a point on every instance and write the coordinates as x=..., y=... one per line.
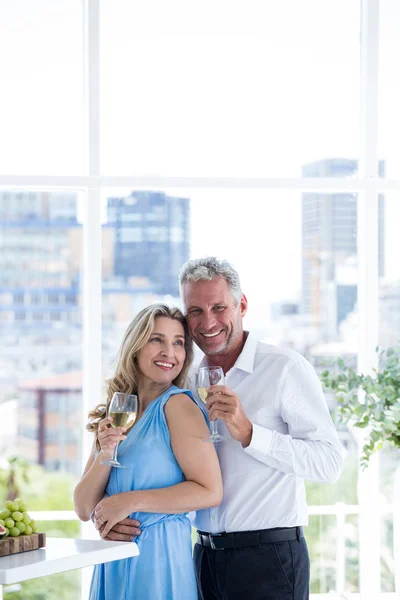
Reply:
x=245, y=360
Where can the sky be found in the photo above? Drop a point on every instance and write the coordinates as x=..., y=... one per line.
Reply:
x=217, y=88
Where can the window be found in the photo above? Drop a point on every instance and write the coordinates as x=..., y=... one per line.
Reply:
x=194, y=69
x=236, y=133
x=41, y=130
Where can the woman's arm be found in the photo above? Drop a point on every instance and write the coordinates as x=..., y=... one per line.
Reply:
x=90, y=489
x=198, y=461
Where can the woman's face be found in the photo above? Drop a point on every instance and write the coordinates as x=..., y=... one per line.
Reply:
x=161, y=359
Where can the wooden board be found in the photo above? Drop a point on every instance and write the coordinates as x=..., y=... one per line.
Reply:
x=22, y=543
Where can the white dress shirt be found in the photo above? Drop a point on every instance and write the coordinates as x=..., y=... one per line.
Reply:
x=293, y=439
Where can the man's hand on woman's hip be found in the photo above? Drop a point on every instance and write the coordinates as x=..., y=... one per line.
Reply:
x=124, y=531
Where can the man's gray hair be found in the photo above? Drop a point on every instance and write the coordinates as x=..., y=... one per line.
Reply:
x=209, y=268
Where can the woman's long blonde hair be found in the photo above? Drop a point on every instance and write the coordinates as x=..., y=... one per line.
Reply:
x=126, y=374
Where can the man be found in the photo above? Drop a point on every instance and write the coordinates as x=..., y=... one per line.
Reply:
x=279, y=432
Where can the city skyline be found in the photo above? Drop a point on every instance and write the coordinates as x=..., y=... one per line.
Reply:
x=233, y=232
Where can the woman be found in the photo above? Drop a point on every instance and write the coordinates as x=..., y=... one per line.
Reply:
x=170, y=470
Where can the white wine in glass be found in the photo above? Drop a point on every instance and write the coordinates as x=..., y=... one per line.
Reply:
x=122, y=419
x=207, y=377
x=123, y=409
x=203, y=394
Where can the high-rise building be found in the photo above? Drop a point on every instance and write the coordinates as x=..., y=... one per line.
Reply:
x=49, y=433
x=39, y=261
x=389, y=313
x=329, y=247
x=151, y=238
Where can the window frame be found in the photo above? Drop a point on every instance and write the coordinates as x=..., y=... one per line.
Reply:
x=367, y=184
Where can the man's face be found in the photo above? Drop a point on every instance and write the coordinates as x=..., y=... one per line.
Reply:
x=214, y=320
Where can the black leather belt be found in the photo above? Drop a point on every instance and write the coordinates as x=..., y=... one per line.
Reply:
x=242, y=539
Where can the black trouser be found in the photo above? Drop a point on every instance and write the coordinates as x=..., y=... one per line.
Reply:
x=270, y=571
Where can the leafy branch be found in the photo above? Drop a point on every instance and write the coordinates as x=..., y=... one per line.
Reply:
x=377, y=408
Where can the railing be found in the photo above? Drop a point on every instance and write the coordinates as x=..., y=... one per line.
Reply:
x=339, y=510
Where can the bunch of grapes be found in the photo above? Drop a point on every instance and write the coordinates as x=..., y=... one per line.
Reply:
x=15, y=520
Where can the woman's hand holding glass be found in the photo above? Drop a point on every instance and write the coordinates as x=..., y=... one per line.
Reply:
x=122, y=411
x=109, y=437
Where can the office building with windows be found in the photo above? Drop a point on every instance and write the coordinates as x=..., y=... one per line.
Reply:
x=151, y=238
x=329, y=247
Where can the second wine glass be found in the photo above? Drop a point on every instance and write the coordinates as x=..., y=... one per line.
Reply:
x=207, y=377
x=123, y=409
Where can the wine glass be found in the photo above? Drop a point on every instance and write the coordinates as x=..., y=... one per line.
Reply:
x=123, y=409
x=208, y=376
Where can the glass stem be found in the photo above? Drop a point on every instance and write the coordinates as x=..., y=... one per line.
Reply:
x=214, y=428
x=115, y=453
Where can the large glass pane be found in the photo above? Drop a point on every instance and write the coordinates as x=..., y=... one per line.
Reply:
x=389, y=336
x=41, y=103
x=40, y=359
x=389, y=283
x=321, y=545
x=389, y=86
x=228, y=88
x=65, y=586
x=352, y=577
x=387, y=554
x=389, y=322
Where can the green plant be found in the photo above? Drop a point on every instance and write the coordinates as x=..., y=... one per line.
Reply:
x=377, y=408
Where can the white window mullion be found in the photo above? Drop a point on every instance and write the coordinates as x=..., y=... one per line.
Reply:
x=91, y=272
x=305, y=184
x=368, y=485
x=91, y=310
x=92, y=87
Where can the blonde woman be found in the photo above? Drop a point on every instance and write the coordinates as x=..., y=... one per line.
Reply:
x=170, y=470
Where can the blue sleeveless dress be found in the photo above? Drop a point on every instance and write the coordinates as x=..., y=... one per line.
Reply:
x=164, y=570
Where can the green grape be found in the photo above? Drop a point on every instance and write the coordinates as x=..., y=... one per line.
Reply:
x=2, y=522
x=28, y=530
x=21, y=504
x=5, y=513
x=17, y=515
x=26, y=518
x=15, y=506
x=14, y=532
x=33, y=525
x=9, y=523
x=9, y=504
x=21, y=526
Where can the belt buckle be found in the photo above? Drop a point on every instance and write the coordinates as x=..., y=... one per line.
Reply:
x=212, y=543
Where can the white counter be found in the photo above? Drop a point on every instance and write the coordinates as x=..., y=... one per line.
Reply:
x=59, y=555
